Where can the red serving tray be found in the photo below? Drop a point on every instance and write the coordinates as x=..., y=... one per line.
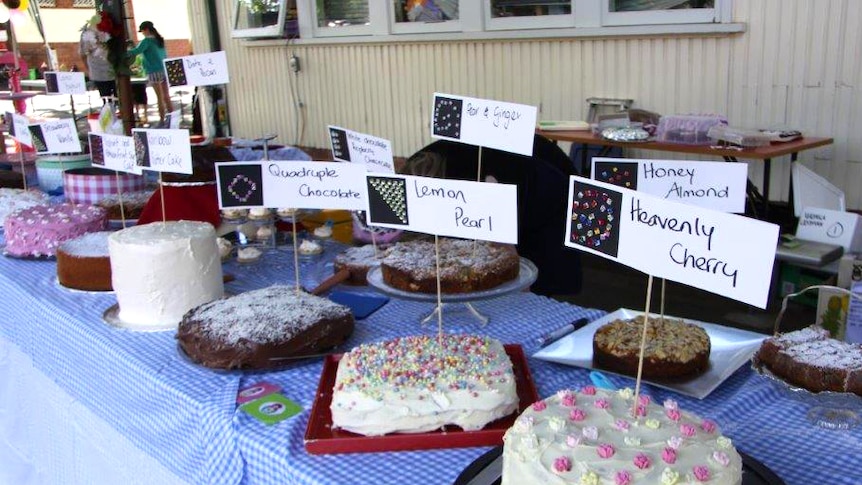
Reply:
x=321, y=439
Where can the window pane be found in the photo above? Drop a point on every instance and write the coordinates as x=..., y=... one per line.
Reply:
x=339, y=13
x=425, y=10
x=529, y=8
x=256, y=14
x=643, y=5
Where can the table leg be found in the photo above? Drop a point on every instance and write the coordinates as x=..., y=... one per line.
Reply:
x=790, y=179
x=584, y=158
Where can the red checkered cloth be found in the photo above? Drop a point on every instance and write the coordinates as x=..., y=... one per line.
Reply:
x=184, y=203
x=90, y=189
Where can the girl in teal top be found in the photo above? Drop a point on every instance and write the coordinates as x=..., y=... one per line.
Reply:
x=152, y=51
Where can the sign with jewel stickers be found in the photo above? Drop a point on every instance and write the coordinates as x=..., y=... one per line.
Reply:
x=56, y=136
x=304, y=185
x=457, y=208
x=505, y=126
x=350, y=146
x=163, y=150
x=197, y=70
x=62, y=82
x=19, y=128
x=723, y=253
x=714, y=185
x=115, y=152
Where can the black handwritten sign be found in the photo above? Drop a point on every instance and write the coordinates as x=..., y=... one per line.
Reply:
x=338, y=141
x=495, y=124
x=56, y=136
x=387, y=200
x=198, y=70
x=716, y=251
x=163, y=150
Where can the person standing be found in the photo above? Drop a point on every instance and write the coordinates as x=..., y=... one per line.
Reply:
x=152, y=51
x=94, y=53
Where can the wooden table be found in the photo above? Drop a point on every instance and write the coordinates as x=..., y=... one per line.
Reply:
x=730, y=154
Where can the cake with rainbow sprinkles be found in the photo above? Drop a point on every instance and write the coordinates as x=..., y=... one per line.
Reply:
x=422, y=383
x=592, y=437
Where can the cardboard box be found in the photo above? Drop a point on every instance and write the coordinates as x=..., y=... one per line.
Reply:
x=831, y=227
x=794, y=279
x=849, y=269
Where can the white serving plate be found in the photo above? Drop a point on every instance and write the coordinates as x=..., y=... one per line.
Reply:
x=731, y=348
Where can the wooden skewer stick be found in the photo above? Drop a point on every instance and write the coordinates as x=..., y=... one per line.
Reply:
x=295, y=256
x=120, y=200
x=439, y=290
x=162, y=196
x=643, y=347
x=663, y=286
x=23, y=171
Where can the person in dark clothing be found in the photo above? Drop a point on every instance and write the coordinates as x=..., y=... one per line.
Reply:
x=543, y=185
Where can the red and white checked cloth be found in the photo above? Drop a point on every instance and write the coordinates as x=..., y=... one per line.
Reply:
x=90, y=189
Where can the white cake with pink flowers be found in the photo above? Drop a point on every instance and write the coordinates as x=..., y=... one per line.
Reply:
x=39, y=230
x=591, y=437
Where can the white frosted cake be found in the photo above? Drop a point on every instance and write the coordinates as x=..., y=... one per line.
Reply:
x=418, y=384
x=161, y=270
x=590, y=437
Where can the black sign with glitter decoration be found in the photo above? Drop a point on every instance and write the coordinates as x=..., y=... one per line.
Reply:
x=621, y=174
x=595, y=218
x=142, y=149
x=51, y=84
x=387, y=200
x=340, y=149
x=240, y=185
x=176, y=72
x=38, y=137
x=447, y=117
x=97, y=150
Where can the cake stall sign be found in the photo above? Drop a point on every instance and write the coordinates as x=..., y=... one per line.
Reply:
x=57, y=136
x=505, y=126
x=457, y=208
x=198, y=70
x=350, y=146
x=301, y=184
x=722, y=253
x=163, y=150
x=714, y=185
x=19, y=128
x=60, y=82
x=115, y=152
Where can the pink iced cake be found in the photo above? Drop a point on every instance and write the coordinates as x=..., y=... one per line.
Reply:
x=39, y=230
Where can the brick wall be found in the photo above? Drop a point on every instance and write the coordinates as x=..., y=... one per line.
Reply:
x=67, y=53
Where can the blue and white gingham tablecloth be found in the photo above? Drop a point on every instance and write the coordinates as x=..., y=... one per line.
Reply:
x=186, y=416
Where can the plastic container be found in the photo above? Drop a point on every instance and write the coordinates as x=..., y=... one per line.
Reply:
x=50, y=168
x=687, y=129
x=738, y=136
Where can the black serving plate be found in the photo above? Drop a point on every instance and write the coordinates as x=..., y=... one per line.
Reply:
x=753, y=472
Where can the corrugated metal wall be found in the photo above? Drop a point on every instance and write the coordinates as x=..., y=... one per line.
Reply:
x=798, y=64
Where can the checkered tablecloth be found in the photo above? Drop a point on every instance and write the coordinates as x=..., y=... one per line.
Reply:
x=186, y=416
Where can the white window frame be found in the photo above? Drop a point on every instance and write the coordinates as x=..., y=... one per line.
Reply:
x=658, y=17
x=589, y=18
x=276, y=30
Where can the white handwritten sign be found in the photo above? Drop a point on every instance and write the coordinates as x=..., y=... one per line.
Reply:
x=722, y=253
x=163, y=150
x=307, y=185
x=457, y=208
x=505, y=126
x=350, y=146
x=56, y=136
x=198, y=70
x=61, y=82
x=115, y=152
x=831, y=227
x=713, y=185
x=19, y=128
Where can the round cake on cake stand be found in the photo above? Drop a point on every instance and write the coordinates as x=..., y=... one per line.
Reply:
x=527, y=275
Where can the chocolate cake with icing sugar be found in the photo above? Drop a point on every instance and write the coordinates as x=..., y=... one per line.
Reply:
x=161, y=270
x=465, y=266
x=811, y=359
x=39, y=230
x=674, y=348
x=422, y=383
x=590, y=436
x=358, y=260
x=83, y=263
x=253, y=330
